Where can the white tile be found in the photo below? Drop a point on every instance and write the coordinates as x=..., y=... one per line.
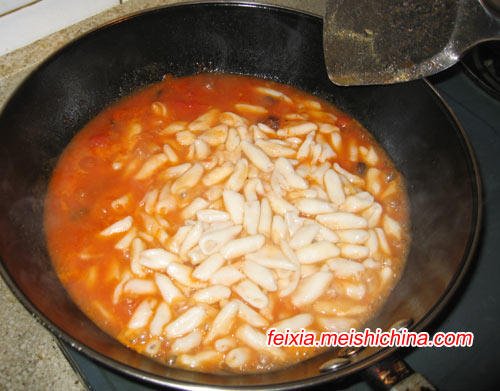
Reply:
x=36, y=21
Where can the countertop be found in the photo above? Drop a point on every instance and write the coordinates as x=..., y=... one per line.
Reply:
x=30, y=358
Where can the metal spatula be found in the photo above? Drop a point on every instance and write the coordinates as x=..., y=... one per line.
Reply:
x=391, y=41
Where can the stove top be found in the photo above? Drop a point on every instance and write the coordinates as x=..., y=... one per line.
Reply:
x=475, y=307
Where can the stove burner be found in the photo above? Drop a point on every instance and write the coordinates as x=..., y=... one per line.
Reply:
x=482, y=64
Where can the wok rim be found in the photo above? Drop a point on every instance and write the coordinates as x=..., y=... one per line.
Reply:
x=321, y=378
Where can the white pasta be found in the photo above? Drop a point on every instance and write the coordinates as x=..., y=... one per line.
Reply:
x=168, y=290
x=257, y=156
x=273, y=149
x=273, y=93
x=238, y=247
x=224, y=344
x=170, y=153
x=358, y=202
x=189, y=179
x=142, y=314
x=161, y=318
x=187, y=343
x=251, y=217
x=392, y=227
x=197, y=204
x=373, y=214
x=354, y=236
x=223, y=322
x=304, y=236
x=354, y=251
x=293, y=180
x=208, y=267
x=125, y=242
x=151, y=165
x=204, y=121
x=265, y=219
x=238, y=177
x=122, y=225
x=311, y=288
x=157, y=258
x=212, y=241
x=294, y=324
x=217, y=175
x=234, y=204
x=176, y=171
x=192, y=239
x=186, y=322
x=251, y=293
x=345, y=268
x=212, y=215
x=314, y=207
x=212, y=294
x=227, y=275
x=201, y=149
x=301, y=129
x=317, y=252
x=334, y=187
x=139, y=286
x=257, y=340
x=237, y=358
x=260, y=275
x=342, y=220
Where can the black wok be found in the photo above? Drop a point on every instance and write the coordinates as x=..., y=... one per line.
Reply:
x=410, y=120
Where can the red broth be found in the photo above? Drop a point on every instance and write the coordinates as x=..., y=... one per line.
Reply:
x=138, y=192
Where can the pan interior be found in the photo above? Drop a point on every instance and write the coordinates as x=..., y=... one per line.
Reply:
x=63, y=94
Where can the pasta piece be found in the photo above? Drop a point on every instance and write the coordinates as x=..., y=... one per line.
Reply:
x=238, y=247
x=204, y=121
x=161, y=318
x=260, y=275
x=187, y=343
x=273, y=93
x=265, y=219
x=192, y=239
x=392, y=227
x=279, y=205
x=168, y=290
x=151, y=165
x=342, y=220
x=358, y=202
x=251, y=217
x=213, y=241
x=139, y=286
x=294, y=324
x=238, y=177
x=223, y=322
x=251, y=293
x=189, y=179
x=373, y=214
x=198, y=359
x=197, y=204
x=257, y=340
x=237, y=358
x=301, y=129
x=186, y=322
x=353, y=236
x=217, y=175
x=215, y=136
x=224, y=344
x=157, y=258
x=176, y=171
x=314, y=207
x=304, y=236
x=126, y=241
x=174, y=127
x=317, y=252
x=253, y=109
x=334, y=187
x=234, y=204
x=273, y=149
x=233, y=140
x=170, y=153
x=311, y=288
x=344, y=268
x=227, y=275
x=142, y=314
x=257, y=156
x=293, y=180
x=212, y=294
x=212, y=216
x=122, y=225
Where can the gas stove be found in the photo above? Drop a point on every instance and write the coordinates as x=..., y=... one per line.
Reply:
x=475, y=306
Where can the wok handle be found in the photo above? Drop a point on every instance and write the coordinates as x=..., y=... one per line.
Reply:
x=393, y=374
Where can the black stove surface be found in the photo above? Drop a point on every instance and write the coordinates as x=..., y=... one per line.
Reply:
x=476, y=305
